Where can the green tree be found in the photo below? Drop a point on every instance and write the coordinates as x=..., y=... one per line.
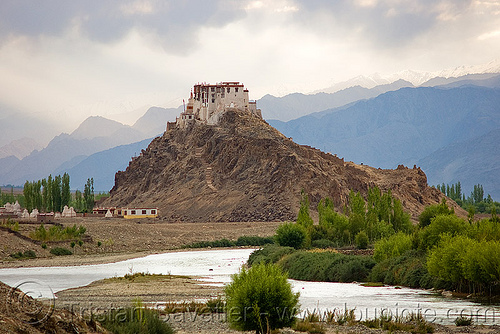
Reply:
x=361, y=240
x=291, y=235
x=28, y=195
x=261, y=299
x=394, y=246
x=50, y=195
x=432, y=211
x=56, y=193
x=88, y=195
x=78, y=204
x=65, y=190
x=303, y=217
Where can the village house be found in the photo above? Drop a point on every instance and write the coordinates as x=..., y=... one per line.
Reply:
x=208, y=102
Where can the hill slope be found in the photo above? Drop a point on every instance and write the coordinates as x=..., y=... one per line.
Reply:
x=245, y=170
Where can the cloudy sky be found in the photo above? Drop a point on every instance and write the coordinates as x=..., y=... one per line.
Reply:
x=73, y=59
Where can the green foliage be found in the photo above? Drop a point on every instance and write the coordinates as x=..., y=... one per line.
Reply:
x=261, y=298
x=78, y=202
x=323, y=244
x=65, y=191
x=57, y=233
x=327, y=266
x=463, y=321
x=135, y=320
x=432, y=211
x=29, y=254
x=475, y=202
x=241, y=241
x=394, y=246
x=269, y=254
x=291, y=235
x=441, y=224
x=466, y=262
x=361, y=240
x=88, y=195
x=408, y=269
x=309, y=327
x=380, y=216
x=303, y=217
x=413, y=323
x=58, y=251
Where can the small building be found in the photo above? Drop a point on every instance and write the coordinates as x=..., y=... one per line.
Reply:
x=45, y=217
x=130, y=213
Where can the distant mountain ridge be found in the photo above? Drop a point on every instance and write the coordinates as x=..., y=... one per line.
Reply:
x=70, y=152
x=401, y=127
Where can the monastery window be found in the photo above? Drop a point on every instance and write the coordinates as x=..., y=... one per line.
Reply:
x=213, y=100
x=229, y=89
x=124, y=212
x=153, y=212
x=236, y=89
x=213, y=96
x=213, y=89
x=143, y=212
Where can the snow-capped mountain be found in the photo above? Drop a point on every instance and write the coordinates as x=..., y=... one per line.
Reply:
x=417, y=78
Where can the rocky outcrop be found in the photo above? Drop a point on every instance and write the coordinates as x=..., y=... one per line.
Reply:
x=242, y=169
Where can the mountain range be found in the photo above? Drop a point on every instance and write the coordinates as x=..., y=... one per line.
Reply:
x=443, y=124
x=424, y=126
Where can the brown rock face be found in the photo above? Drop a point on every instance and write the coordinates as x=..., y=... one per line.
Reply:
x=245, y=170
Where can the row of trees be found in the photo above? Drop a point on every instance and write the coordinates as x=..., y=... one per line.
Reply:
x=381, y=215
x=444, y=251
x=476, y=201
x=53, y=193
x=10, y=197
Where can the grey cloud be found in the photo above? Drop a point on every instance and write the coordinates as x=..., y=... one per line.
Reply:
x=386, y=23
x=174, y=22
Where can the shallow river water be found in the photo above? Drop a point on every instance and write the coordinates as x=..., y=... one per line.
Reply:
x=216, y=266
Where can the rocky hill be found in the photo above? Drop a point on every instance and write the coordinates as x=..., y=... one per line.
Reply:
x=245, y=170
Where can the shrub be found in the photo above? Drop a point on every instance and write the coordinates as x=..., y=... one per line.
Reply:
x=44, y=246
x=254, y=241
x=29, y=254
x=432, y=211
x=58, y=251
x=291, y=235
x=394, y=246
x=323, y=243
x=327, y=266
x=261, y=298
x=361, y=240
x=440, y=225
x=269, y=254
x=463, y=321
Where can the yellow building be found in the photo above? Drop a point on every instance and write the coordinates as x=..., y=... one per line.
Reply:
x=130, y=213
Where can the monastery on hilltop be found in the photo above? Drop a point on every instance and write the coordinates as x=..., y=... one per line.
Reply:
x=208, y=102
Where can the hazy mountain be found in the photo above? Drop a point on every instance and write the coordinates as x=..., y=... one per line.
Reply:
x=154, y=121
x=15, y=125
x=296, y=105
x=19, y=148
x=399, y=127
x=482, y=80
x=470, y=162
x=103, y=165
x=417, y=78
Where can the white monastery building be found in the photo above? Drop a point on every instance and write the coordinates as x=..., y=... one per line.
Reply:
x=208, y=102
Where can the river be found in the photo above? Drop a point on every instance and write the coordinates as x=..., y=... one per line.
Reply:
x=216, y=266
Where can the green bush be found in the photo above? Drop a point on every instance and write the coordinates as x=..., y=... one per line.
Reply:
x=291, y=235
x=29, y=254
x=361, y=240
x=463, y=321
x=58, y=251
x=425, y=218
x=135, y=320
x=327, y=266
x=408, y=269
x=440, y=225
x=269, y=254
x=394, y=246
x=323, y=243
x=261, y=298
x=57, y=232
x=254, y=241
